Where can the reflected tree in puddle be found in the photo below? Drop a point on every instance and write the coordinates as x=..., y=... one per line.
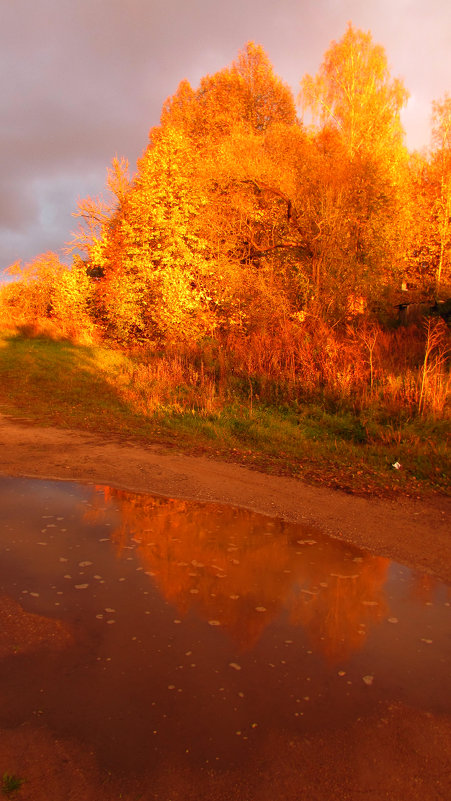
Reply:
x=242, y=571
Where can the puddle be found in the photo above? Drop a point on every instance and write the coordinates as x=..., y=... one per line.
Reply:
x=156, y=631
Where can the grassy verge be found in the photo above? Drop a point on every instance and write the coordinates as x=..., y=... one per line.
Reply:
x=98, y=389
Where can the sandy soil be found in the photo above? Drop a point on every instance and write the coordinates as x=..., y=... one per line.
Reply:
x=414, y=533
x=398, y=753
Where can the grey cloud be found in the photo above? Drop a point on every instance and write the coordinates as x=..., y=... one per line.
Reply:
x=82, y=80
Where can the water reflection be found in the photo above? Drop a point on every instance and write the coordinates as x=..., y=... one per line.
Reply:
x=161, y=632
x=242, y=571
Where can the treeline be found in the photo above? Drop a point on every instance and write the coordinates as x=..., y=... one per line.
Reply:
x=245, y=231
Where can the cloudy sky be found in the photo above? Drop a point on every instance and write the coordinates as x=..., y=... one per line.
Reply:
x=83, y=80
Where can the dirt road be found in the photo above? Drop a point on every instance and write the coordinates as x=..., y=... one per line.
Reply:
x=414, y=533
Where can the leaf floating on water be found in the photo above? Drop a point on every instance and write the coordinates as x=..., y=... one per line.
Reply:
x=63, y=559
x=342, y=576
x=370, y=603
x=342, y=673
x=110, y=622
x=393, y=620
x=67, y=576
x=423, y=639
x=177, y=621
x=235, y=665
x=234, y=597
x=81, y=586
x=42, y=543
x=34, y=594
x=84, y=564
x=260, y=609
x=214, y=623
x=368, y=680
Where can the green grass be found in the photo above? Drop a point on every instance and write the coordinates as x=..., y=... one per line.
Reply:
x=145, y=398
x=11, y=783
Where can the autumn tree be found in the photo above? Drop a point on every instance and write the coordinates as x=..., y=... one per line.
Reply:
x=152, y=258
x=247, y=94
x=354, y=96
x=441, y=175
x=354, y=93
x=45, y=289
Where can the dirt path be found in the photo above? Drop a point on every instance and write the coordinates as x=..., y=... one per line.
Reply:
x=417, y=534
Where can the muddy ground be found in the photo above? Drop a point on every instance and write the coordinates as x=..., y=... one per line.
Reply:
x=398, y=753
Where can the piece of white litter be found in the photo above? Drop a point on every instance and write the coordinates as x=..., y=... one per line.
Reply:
x=368, y=679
